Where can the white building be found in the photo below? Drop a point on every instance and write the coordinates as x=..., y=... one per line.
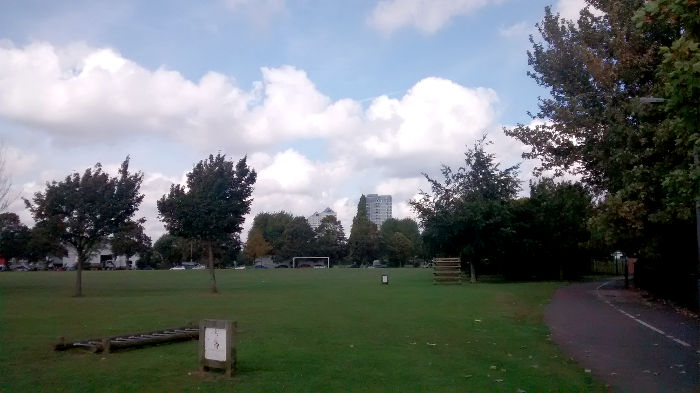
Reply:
x=315, y=219
x=378, y=208
x=102, y=258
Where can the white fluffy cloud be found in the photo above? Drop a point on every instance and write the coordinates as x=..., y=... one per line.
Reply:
x=570, y=9
x=427, y=16
x=434, y=119
x=91, y=94
x=94, y=96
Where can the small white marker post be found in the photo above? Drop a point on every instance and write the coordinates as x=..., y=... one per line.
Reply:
x=217, y=347
x=385, y=279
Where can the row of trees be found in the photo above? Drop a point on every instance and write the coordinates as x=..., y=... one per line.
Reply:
x=473, y=212
x=90, y=210
x=623, y=114
x=284, y=236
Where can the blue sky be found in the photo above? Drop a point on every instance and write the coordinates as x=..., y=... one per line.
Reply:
x=328, y=99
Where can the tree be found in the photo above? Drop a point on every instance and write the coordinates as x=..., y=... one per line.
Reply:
x=83, y=211
x=680, y=75
x=271, y=226
x=467, y=214
x=14, y=237
x=595, y=123
x=256, y=246
x=212, y=205
x=130, y=239
x=330, y=239
x=398, y=249
x=363, y=236
x=43, y=244
x=408, y=228
x=171, y=250
x=551, y=237
x=298, y=239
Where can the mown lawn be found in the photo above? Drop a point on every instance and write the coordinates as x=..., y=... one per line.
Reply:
x=307, y=330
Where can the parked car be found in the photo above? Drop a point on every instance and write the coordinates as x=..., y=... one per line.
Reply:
x=260, y=267
x=177, y=268
x=240, y=267
x=199, y=267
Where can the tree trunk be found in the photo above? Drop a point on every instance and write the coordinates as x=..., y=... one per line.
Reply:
x=79, y=276
x=472, y=272
x=211, y=267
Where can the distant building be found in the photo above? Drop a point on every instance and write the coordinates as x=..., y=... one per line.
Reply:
x=315, y=219
x=378, y=208
x=102, y=258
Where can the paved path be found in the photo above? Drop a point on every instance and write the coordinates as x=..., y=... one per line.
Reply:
x=628, y=343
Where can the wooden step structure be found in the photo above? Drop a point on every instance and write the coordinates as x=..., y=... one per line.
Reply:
x=447, y=271
x=134, y=340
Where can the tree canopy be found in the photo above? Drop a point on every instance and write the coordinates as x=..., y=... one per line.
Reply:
x=84, y=211
x=256, y=246
x=467, y=213
x=298, y=239
x=271, y=226
x=212, y=206
x=604, y=73
x=14, y=237
x=364, y=238
x=330, y=239
x=399, y=240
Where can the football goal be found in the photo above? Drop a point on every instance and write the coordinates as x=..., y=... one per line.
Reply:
x=311, y=262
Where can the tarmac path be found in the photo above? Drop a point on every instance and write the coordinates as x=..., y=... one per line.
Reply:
x=631, y=344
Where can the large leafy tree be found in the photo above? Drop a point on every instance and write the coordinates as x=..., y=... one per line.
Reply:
x=298, y=239
x=467, y=214
x=43, y=244
x=598, y=123
x=271, y=226
x=398, y=249
x=551, y=238
x=130, y=240
x=364, y=238
x=256, y=246
x=212, y=206
x=680, y=77
x=330, y=239
x=84, y=211
x=171, y=250
x=14, y=237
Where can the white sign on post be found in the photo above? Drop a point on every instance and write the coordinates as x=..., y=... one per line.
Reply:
x=215, y=344
x=217, y=347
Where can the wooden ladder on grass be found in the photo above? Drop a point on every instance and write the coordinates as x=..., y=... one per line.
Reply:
x=447, y=271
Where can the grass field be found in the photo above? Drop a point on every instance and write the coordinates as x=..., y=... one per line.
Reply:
x=308, y=330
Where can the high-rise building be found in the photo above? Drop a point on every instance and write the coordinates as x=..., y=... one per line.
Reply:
x=315, y=219
x=378, y=208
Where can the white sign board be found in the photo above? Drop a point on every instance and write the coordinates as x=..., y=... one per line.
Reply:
x=215, y=344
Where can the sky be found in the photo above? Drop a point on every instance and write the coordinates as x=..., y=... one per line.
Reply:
x=327, y=99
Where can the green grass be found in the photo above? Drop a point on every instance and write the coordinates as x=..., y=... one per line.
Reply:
x=309, y=330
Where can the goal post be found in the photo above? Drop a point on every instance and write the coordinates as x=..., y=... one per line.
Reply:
x=327, y=259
